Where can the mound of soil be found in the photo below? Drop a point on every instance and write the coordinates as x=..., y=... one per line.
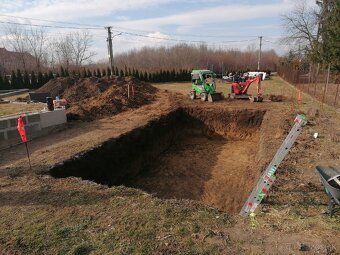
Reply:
x=92, y=98
x=4, y=101
x=57, y=86
x=276, y=98
x=22, y=99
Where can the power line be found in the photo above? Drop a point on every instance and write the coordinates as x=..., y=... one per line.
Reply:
x=49, y=26
x=172, y=39
x=119, y=31
x=271, y=42
x=142, y=31
x=188, y=35
x=51, y=21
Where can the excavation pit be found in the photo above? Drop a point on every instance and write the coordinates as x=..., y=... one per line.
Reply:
x=191, y=153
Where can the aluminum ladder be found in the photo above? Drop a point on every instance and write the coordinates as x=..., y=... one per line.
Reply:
x=268, y=177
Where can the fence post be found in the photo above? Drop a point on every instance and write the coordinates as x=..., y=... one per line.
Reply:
x=326, y=85
x=336, y=94
x=316, y=79
x=299, y=99
x=309, y=77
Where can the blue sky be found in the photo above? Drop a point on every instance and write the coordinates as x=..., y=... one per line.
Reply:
x=220, y=24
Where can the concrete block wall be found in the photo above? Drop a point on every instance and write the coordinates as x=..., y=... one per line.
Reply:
x=7, y=93
x=36, y=124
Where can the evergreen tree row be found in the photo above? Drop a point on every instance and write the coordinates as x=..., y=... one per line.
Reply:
x=161, y=76
x=21, y=80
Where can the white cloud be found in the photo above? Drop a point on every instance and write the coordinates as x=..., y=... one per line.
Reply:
x=157, y=37
x=123, y=18
x=66, y=10
x=10, y=5
x=188, y=22
x=214, y=15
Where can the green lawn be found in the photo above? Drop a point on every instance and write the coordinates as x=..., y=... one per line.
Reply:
x=181, y=87
x=15, y=108
x=274, y=86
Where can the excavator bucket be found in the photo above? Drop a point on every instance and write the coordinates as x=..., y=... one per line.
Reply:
x=215, y=97
x=256, y=99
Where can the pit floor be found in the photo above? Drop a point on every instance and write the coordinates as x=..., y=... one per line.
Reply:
x=214, y=171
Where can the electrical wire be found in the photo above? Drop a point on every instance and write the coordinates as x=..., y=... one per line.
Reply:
x=51, y=21
x=143, y=37
x=123, y=32
x=127, y=29
x=49, y=26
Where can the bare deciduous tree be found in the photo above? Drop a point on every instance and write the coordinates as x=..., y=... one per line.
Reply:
x=37, y=43
x=80, y=47
x=63, y=50
x=23, y=40
x=16, y=39
x=74, y=48
x=301, y=27
x=183, y=56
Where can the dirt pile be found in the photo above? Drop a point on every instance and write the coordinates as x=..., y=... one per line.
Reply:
x=57, y=86
x=276, y=98
x=92, y=98
x=22, y=99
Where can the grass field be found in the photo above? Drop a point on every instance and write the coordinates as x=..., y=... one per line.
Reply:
x=15, y=108
x=274, y=86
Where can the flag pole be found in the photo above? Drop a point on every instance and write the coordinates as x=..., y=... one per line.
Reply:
x=22, y=133
x=28, y=156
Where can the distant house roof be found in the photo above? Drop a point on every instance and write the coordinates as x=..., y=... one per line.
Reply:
x=11, y=60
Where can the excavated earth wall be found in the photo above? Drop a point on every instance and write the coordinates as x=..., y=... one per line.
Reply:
x=190, y=153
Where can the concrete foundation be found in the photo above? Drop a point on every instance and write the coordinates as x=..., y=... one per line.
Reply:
x=36, y=124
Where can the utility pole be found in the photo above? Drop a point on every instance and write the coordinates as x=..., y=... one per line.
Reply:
x=109, y=45
x=259, y=58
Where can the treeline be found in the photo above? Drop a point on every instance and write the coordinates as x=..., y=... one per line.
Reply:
x=30, y=48
x=21, y=80
x=190, y=57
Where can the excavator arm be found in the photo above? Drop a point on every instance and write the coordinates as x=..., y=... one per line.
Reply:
x=249, y=82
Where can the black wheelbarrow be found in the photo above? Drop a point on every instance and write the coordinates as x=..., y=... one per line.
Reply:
x=330, y=178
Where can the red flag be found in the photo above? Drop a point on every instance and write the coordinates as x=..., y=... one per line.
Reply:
x=21, y=129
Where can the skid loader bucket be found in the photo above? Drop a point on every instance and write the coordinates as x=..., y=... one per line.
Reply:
x=215, y=97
